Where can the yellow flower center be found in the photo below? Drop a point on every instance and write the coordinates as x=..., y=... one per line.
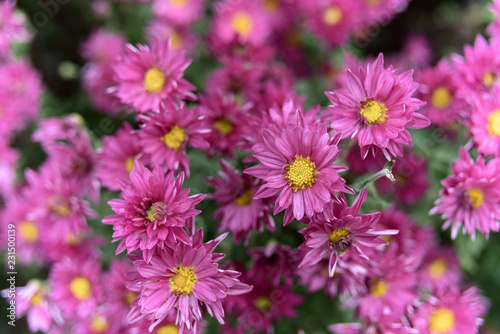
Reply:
x=332, y=16
x=336, y=235
x=37, y=298
x=245, y=198
x=183, y=281
x=179, y=3
x=476, y=197
x=129, y=164
x=168, y=329
x=373, y=2
x=154, y=80
x=442, y=320
x=242, y=24
x=175, y=40
x=99, y=324
x=494, y=123
x=174, y=138
x=373, y=112
x=378, y=288
x=271, y=6
x=438, y=268
x=441, y=98
x=300, y=174
x=263, y=303
x=72, y=239
x=29, y=231
x=130, y=297
x=151, y=213
x=60, y=206
x=80, y=288
x=488, y=79
x=224, y=127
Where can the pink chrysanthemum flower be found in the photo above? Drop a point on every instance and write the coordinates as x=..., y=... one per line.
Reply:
x=180, y=12
x=440, y=270
x=470, y=196
x=99, y=322
x=452, y=312
x=228, y=122
x=480, y=65
x=52, y=130
x=485, y=122
x=297, y=163
x=181, y=38
x=438, y=87
x=238, y=211
x=12, y=29
x=377, y=12
x=416, y=53
x=75, y=287
x=339, y=229
x=153, y=212
x=493, y=29
x=166, y=326
x=117, y=156
x=164, y=135
x=147, y=76
x=385, y=325
x=238, y=20
x=376, y=108
x=331, y=20
x=182, y=281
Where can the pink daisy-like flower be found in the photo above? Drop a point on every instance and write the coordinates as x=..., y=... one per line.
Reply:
x=485, y=122
x=180, y=12
x=438, y=87
x=238, y=211
x=452, y=312
x=12, y=27
x=339, y=229
x=164, y=135
x=103, y=47
x=166, y=326
x=182, y=281
x=153, y=212
x=377, y=12
x=440, y=270
x=75, y=286
x=297, y=163
x=117, y=156
x=181, y=38
x=470, y=196
x=52, y=130
x=493, y=29
x=331, y=20
x=147, y=76
x=243, y=21
x=376, y=108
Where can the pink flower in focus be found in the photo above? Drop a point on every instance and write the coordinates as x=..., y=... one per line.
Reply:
x=376, y=108
x=153, y=212
x=470, y=196
x=147, y=76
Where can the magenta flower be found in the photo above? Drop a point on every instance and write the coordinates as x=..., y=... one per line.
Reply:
x=153, y=212
x=493, y=28
x=147, y=76
x=297, y=163
x=485, y=122
x=8, y=163
x=181, y=38
x=12, y=29
x=376, y=108
x=440, y=270
x=339, y=229
x=452, y=312
x=378, y=12
x=470, y=196
x=238, y=211
x=182, y=281
x=164, y=135
x=117, y=156
x=179, y=12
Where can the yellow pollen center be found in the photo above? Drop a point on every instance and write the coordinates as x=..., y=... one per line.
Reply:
x=224, y=127
x=37, y=298
x=242, y=24
x=99, y=324
x=336, y=235
x=488, y=79
x=379, y=288
x=441, y=98
x=476, y=197
x=494, y=123
x=183, y=281
x=80, y=288
x=442, y=320
x=151, y=214
x=300, y=174
x=179, y=3
x=271, y=6
x=245, y=198
x=174, y=138
x=29, y=231
x=373, y=112
x=175, y=40
x=168, y=329
x=129, y=297
x=332, y=16
x=373, y=2
x=72, y=239
x=60, y=206
x=129, y=164
x=263, y=303
x=154, y=80
x=438, y=268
